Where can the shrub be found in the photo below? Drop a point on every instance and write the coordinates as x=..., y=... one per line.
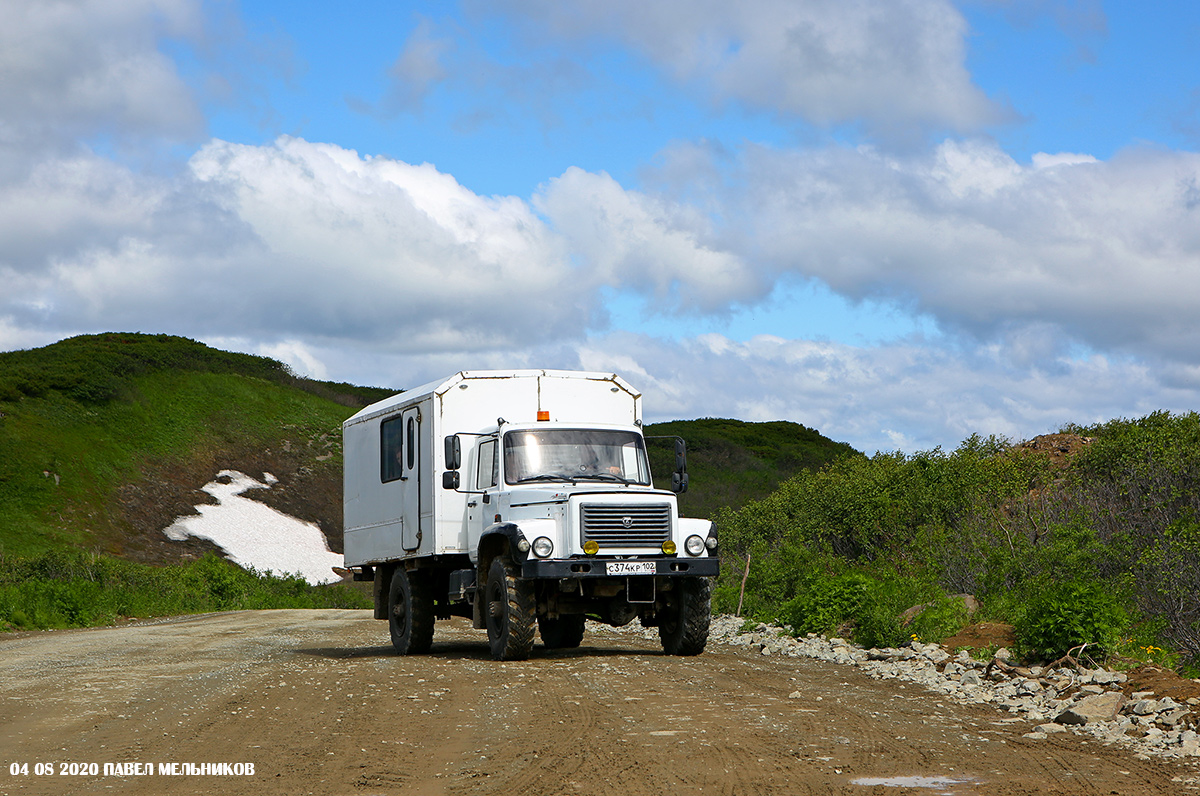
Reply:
x=1062, y=616
x=866, y=604
x=826, y=603
x=62, y=589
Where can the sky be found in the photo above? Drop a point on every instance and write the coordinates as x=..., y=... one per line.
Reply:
x=898, y=223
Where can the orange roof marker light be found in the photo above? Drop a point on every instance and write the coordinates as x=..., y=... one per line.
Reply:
x=543, y=415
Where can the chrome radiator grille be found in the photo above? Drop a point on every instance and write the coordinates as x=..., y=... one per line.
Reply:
x=638, y=525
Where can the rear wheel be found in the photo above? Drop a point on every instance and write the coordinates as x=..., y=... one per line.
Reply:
x=410, y=611
x=683, y=621
x=565, y=632
x=508, y=613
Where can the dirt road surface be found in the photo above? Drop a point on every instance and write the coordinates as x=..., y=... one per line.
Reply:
x=319, y=704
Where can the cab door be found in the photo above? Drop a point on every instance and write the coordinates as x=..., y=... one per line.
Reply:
x=485, y=477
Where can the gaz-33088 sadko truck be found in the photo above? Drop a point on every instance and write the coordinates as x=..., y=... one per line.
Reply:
x=521, y=500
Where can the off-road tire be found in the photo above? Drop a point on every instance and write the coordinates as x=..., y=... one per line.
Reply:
x=410, y=611
x=509, y=613
x=683, y=621
x=565, y=632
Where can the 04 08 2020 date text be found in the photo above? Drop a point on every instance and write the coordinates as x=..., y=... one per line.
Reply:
x=131, y=769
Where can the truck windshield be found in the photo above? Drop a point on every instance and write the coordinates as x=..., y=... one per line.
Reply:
x=575, y=455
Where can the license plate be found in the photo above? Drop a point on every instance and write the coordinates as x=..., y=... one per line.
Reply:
x=630, y=568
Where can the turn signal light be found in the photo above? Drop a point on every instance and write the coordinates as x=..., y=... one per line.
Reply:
x=543, y=415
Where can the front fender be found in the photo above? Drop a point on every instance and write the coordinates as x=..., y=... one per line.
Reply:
x=501, y=538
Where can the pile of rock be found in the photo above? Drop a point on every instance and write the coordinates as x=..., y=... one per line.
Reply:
x=1053, y=700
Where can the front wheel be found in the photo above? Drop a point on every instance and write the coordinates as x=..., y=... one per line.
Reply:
x=509, y=613
x=683, y=621
x=410, y=611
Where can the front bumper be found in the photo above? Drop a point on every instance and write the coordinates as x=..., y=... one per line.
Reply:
x=595, y=568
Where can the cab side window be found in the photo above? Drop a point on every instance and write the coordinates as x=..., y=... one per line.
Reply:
x=487, y=471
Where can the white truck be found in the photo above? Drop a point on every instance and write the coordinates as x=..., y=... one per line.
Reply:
x=521, y=500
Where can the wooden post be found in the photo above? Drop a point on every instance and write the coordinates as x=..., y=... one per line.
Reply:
x=742, y=592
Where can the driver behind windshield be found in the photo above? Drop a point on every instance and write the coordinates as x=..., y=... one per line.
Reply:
x=598, y=460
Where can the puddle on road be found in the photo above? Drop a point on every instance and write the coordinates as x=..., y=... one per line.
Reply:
x=943, y=785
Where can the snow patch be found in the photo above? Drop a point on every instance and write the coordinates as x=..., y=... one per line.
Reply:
x=255, y=535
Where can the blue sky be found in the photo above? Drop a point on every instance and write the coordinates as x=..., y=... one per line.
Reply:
x=899, y=223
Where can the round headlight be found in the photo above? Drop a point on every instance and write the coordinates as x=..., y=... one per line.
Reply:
x=542, y=547
x=694, y=545
x=523, y=545
x=711, y=543
x=591, y=547
x=668, y=547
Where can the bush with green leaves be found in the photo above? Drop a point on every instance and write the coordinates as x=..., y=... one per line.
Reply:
x=1121, y=517
x=1061, y=617
x=57, y=590
x=815, y=591
x=827, y=602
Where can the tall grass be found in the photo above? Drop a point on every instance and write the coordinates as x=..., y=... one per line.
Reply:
x=75, y=589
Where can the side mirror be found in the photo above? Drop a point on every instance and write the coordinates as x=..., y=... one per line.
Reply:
x=450, y=479
x=679, y=479
x=453, y=452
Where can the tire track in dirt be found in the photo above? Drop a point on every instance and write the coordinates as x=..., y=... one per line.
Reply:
x=320, y=704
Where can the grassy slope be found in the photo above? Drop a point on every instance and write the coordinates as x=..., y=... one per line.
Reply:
x=731, y=462
x=104, y=435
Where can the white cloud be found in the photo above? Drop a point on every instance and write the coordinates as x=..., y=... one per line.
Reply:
x=15, y=336
x=297, y=356
x=372, y=248
x=77, y=68
x=287, y=241
x=894, y=66
x=379, y=271
x=1108, y=252
x=1045, y=160
x=63, y=205
x=639, y=242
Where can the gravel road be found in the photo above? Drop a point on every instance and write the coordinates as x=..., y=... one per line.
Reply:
x=316, y=703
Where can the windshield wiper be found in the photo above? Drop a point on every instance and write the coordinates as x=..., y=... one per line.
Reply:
x=547, y=477
x=605, y=477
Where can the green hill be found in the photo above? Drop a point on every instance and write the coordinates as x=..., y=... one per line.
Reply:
x=105, y=439
x=731, y=462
